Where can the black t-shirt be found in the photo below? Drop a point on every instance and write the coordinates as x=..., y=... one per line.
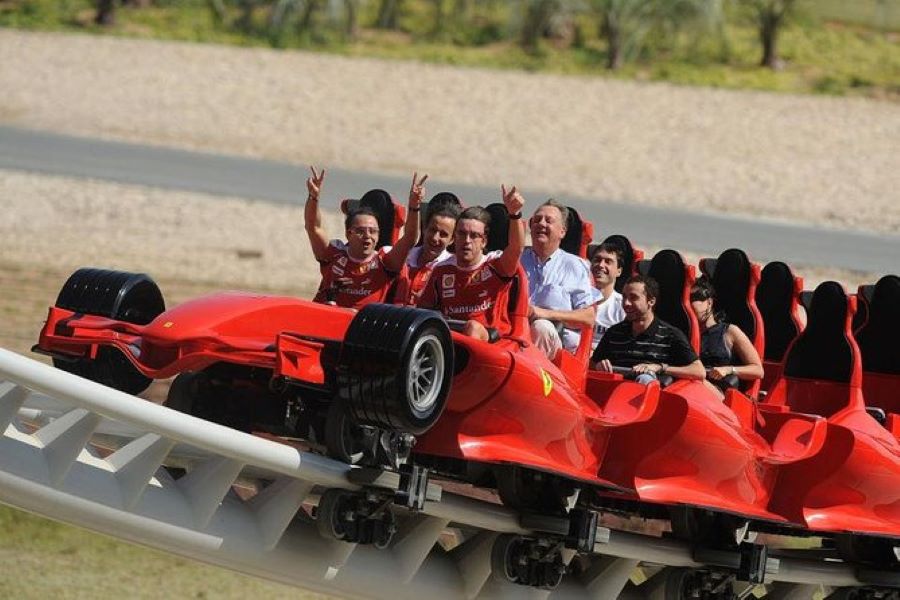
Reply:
x=660, y=343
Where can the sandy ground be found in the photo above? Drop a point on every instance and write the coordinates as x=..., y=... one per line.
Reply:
x=814, y=159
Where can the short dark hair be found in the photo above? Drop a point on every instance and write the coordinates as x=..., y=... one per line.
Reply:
x=702, y=290
x=477, y=213
x=446, y=210
x=610, y=248
x=362, y=210
x=651, y=287
x=562, y=208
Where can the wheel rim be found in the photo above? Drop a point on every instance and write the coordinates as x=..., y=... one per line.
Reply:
x=426, y=373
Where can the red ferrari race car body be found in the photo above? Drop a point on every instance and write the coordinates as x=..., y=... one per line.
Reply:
x=508, y=404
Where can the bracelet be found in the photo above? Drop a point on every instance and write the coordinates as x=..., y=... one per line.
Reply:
x=416, y=209
x=733, y=370
x=516, y=216
x=312, y=198
x=663, y=367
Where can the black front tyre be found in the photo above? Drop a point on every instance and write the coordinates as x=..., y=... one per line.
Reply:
x=396, y=368
x=131, y=297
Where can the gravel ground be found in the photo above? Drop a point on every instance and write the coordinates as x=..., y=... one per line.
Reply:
x=823, y=160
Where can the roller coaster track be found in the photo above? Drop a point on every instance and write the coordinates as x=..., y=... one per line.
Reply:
x=81, y=453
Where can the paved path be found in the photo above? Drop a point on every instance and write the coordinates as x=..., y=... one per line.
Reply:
x=282, y=182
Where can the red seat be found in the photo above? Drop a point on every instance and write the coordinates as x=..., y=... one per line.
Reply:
x=823, y=367
x=579, y=234
x=391, y=216
x=735, y=280
x=778, y=301
x=879, y=345
x=675, y=278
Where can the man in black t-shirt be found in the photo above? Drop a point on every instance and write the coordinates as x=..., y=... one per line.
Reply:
x=650, y=346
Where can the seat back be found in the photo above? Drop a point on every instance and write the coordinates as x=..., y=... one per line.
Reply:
x=578, y=234
x=778, y=301
x=879, y=344
x=390, y=215
x=735, y=280
x=673, y=306
x=498, y=234
x=823, y=367
x=630, y=257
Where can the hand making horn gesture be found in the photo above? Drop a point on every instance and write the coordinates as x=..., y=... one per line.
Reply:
x=417, y=191
x=512, y=199
x=314, y=183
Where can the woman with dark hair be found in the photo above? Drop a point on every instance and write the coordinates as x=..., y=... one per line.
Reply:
x=725, y=350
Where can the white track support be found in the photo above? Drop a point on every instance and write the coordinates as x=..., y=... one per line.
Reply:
x=78, y=452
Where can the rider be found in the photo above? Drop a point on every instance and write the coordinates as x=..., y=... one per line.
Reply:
x=724, y=348
x=606, y=267
x=474, y=286
x=560, y=289
x=355, y=272
x=650, y=346
x=438, y=235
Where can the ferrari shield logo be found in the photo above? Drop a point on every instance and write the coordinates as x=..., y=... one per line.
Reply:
x=448, y=280
x=548, y=383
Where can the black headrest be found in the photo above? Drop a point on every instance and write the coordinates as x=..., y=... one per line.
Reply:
x=774, y=299
x=878, y=338
x=381, y=203
x=731, y=279
x=571, y=242
x=627, y=258
x=498, y=236
x=823, y=350
x=668, y=269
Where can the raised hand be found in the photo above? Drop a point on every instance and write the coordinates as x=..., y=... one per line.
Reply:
x=417, y=191
x=512, y=199
x=314, y=183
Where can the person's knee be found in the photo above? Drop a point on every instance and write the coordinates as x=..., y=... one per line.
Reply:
x=476, y=330
x=545, y=336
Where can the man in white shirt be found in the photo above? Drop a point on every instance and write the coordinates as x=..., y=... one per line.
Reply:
x=560, y=289
x=606, y=267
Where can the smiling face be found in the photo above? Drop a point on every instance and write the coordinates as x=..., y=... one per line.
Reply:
x=362, y=236
x=547, y=228
x=438, y=236
x=470, y=238
x=605, y=268
x=635, y=302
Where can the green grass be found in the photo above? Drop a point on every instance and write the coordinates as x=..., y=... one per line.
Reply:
x=832, y=47
x=44, y=559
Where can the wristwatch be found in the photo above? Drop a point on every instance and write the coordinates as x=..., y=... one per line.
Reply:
x=516, y=216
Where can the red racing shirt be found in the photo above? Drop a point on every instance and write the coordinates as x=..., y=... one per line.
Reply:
x=478, y=293
x=350, y=282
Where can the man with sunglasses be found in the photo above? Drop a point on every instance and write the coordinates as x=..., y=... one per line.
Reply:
x=560, y=290
x=357, y=272
x=473, y=286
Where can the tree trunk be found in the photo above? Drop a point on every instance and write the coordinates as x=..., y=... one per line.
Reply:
x=245, y=21
x=388, y=13
x=537, y=17
x=309, y=13
x=768, y=36
x=437, y=27
x=106, y=13
x=612, y=33
x=351, y=25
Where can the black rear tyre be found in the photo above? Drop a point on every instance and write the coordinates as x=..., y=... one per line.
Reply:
x=131, y=297
x=395, y=368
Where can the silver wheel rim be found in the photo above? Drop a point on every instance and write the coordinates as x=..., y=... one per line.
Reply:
x=426, y=372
